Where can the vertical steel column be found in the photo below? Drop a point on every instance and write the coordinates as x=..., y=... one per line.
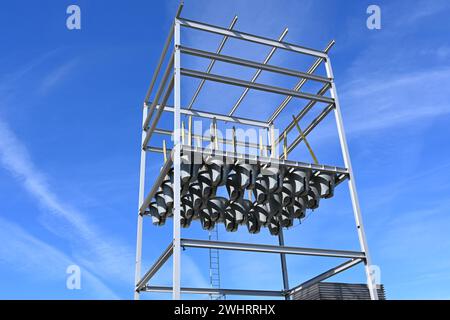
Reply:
x=176, y=293
x=284, y=265
x=137, y=275
x=284, y=271
x=351, y=183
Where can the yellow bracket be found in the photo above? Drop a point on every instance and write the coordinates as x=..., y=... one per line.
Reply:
x=306, y=141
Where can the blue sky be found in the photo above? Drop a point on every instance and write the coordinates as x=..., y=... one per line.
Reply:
x=70, y=114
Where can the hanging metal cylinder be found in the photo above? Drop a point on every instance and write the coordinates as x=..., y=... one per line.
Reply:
x=261, y=189
x=157, y=220
x=185, y=217
x=275, y=176
x=298, y=209
x=287, y=193
x=205, y=219
x=233, y=187
x=167, y=190
x=313, y=194
x=219, y=170
x=236, y=213
x=161, y=203
x=285, y=219
x=215, y=165
x=240, y=209
x=217, y=207
x=188, y=207
x=273, y=205
x=185, y=168
x=274, y=226
x=256, y=217
x=247, y=174
x=300, y=179
x=205, y=182
x=327, y=182
x=229, y=220
x=190, y=165
x=196, y=192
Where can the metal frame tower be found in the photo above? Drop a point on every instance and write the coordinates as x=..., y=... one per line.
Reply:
x=153, y=109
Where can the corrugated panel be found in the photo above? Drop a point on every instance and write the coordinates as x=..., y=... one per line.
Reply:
x=337, y=291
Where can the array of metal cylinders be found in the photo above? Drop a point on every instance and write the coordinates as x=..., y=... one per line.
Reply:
x=258, y=195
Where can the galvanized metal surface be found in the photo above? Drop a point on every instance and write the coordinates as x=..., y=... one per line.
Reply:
x=164, y=90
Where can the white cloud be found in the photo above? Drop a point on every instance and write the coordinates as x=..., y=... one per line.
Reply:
x=98, y=251
x=56, y=76
x=42, y=262
x=387, y=101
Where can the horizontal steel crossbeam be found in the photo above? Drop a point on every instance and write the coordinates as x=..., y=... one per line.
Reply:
x=156, y=266
x=251, y=38
x=158, y=114
x=219, y=140
x=218, y=291
x=253, y=85
x=270, y=248
x=311, y=126
x=266, y=160
x=302, y=113
x=252, y=64
x=218, y=116
x=299, y=85
x=327, y=274
x=159, y=92
x=211, y=64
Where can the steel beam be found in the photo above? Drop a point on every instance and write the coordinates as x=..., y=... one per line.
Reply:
x=325, y=275
x=299, y=85
x=162, y=174
x=310, y=128
x=179, y=9
x=218, y=291
x=159, y=92
x=284, y=271
x=247, y=158
x=302, y=113
x=193, y=243
x=352, y=186
x=252, y=64
x=218, y=116
x=138, y=260
x=160, y=62
x=208, y=138
x=157, y=149
x=211, y=64
x=158, y=113
x=257, y=73
x=154, y=269
x=251, y=38
x=176, y=271
x=256, y=86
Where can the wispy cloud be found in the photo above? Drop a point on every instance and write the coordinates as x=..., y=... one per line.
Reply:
x=57, y=75
x=89, y=245
x=96, y=249
x=422, y=9
x=44, y=262
x=386, y=101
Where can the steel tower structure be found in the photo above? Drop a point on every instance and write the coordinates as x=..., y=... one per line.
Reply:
x=156, y=103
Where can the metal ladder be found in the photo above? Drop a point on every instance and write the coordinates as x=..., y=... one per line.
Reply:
x=214, y=266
